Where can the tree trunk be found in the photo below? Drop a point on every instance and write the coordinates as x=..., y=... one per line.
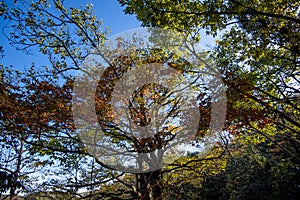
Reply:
x=150, y=185
x=156, y=185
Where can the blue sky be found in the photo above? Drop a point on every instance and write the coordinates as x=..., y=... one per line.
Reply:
x=109, y=10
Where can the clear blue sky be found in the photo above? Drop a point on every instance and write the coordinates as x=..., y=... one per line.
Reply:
x=109, y=10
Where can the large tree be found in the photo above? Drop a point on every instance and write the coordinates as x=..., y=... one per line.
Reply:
x=45, y=124
x=258, y=55
x=36, y=104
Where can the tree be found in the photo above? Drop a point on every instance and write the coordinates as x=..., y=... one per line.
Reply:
x=15, y=161
x=46, y=124
x=256, y=47
x=258, y=56
x=43, y=119
x=145, y=148
x=29, y=110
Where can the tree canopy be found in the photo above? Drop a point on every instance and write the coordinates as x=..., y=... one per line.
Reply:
x=256, y=57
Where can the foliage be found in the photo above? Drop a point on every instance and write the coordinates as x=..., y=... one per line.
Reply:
x=257, y=56
x=65, y=35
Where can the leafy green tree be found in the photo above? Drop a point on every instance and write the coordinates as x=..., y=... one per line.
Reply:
x=258, y=55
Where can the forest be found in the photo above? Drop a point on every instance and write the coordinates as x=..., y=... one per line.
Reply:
x=147, y=114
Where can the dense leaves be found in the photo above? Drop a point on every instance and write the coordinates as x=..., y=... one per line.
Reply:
x=257, y=55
